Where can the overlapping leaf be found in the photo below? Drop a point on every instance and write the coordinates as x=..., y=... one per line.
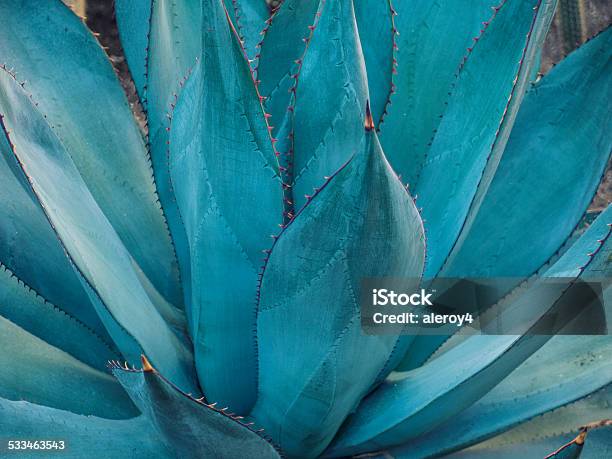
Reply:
x=481, y=111
x=312, y=282
x=319, y=125
x=100, y=437
x=432, y=40
x=35, y=371
x=400, y=410
x=554, y=160
x=192, y=428
x=104, y=266
x=225, y=175
x=566, y=369
x=30, y=250
x=161, y=39
x=83, y=101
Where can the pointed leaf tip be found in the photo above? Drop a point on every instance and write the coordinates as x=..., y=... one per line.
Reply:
x=579, y=440
x=369, y=122
x=146, y=365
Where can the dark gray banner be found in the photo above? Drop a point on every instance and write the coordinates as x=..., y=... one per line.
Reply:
x=497, y=306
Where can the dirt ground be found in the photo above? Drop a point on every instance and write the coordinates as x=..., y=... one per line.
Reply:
x=566, y=34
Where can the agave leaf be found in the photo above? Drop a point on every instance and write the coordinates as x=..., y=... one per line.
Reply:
x=224, y=173
x=134, y=22
x=282, y=45
x=539, y=437
x=158, y=38
x=27, y=309
x=400, y=410
x=194, y=428
x=458, y=172
x=543, y=167
x=556, y=155
x=433, y=39
x=40, y=373
x=590, y=250
x=317, y=137
x=566, y=369
x=249, y=18
x=30, y=250
x=278, y=64
x=104, y=265
x=83, y=101
x=327, y=119
x=101, y=438
x=378, y=38
x=373, y=229
x=554, y=435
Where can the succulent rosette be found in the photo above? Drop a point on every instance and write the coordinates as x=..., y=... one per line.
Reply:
x=215, y=256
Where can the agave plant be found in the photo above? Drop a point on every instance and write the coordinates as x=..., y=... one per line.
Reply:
x=218, y=252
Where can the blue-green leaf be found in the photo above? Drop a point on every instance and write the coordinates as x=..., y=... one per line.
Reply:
x=35, y=371
x=134, y=21
x=400, y=410
x=27, y=309
x=554, y=160
x=30, y=250
x=282, y=45
x=105, y=267
x=566, y=369
x=590, y=253
x=162, y=43
x=555, y=435
x=378, y=37
x=312, y=282
x=249, y=18
x=433, y=39
x=473, y=133
x=329, y=100
x=320, y=104
x=556, y=155
x=224, y=173
x=192, y=428
x=99, y=437
x=84, y=102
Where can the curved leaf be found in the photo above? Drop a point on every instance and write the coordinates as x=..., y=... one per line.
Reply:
x=326, y=66
x=27, y=309
x=84, y=102
x=249, y=18
x=101, y=438
x=158, y=38
x=378, y=37
x=566, y=369
x=134, y=22
x=555, y=435
x=193, y=428
x=282, y=45
x=312, y=282
x=546, y=165
x=30, y=250
x=223, y=171
x=104, y=265
x=473, y=133
x=433, y=39
x=556, y=155
x=35, y=371
x=400, y=410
